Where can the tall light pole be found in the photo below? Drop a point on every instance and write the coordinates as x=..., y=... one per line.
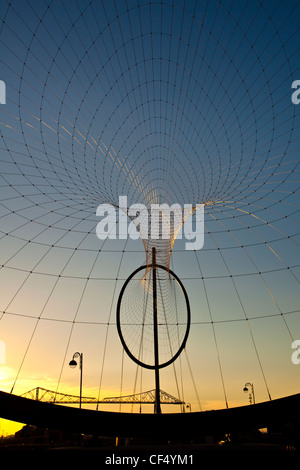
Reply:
x=73, y=364
x=251, y=393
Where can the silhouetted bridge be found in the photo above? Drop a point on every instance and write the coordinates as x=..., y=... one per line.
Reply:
x=148, y=397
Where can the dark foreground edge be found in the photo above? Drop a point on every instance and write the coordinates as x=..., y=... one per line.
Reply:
x=279, y=412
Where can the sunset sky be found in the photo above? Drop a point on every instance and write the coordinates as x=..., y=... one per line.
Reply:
x=185, y=102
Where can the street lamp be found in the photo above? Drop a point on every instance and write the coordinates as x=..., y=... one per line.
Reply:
x=189, y=406
x=251, y=393
x=73, y=364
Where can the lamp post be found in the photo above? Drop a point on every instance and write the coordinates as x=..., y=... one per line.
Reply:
x=73, y=364
x=189, y=407
x=251, y=393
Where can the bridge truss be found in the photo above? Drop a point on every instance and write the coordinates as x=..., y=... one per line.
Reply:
x=50, y=396
x=148, y=397
x=145, y=397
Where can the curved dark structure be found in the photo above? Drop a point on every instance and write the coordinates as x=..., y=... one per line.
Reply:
x=183, y=344
x=280, y=412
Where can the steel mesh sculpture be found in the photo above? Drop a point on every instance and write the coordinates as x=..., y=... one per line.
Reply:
x=164, y=102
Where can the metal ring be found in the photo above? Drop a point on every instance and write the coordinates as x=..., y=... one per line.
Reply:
x=137, y=361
